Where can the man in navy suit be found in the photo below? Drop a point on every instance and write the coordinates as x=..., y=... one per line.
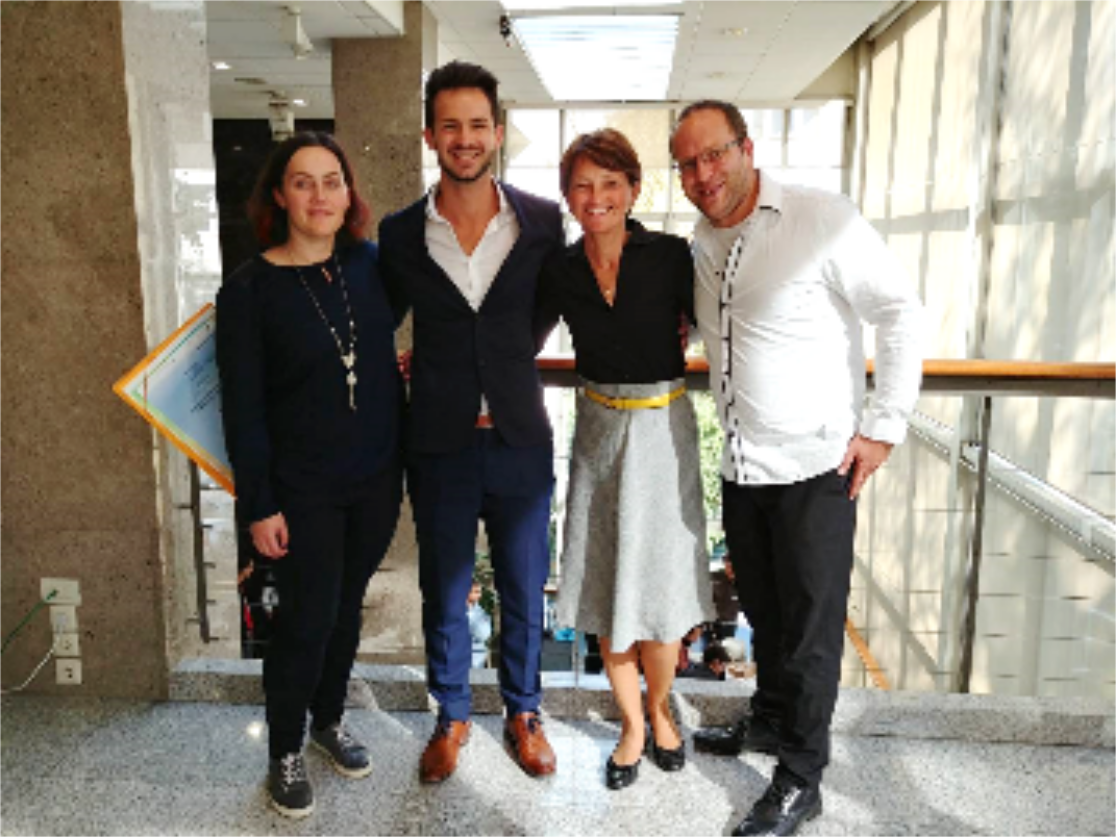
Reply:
x=465, y=259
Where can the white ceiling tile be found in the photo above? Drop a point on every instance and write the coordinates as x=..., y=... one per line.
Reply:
x=244, y=32
x=242, y=51
x=233, y=11
x=787, y=45
x=725, y=50
x=759, y=14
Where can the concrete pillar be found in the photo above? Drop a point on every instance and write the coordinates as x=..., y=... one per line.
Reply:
x=92, y=273
x=377, y=95
x=378, y=117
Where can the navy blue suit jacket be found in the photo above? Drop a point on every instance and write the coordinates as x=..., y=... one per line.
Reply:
x=460, y=354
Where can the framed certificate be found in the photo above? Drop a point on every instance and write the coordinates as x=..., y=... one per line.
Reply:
x=178, y=390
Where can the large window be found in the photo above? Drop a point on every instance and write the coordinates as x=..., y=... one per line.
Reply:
x=804, y=146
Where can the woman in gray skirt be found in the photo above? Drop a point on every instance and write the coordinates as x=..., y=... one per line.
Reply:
x=634, y=568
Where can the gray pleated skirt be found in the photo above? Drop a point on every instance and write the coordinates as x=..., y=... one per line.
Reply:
x=634, y=562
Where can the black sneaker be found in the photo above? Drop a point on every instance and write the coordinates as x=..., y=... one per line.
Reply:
x=348, y=756
x=288, y=789
x=783, y=807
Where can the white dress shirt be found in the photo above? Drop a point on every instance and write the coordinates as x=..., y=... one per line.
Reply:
x=788, y=289
x=474, y=273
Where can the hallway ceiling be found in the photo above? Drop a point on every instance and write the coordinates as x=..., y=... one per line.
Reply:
x=754, y=52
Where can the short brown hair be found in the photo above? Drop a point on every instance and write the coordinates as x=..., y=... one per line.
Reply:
x=608, y=149
x=460, y=75
x=731, y=113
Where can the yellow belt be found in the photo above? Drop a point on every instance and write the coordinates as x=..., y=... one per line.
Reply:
x=635, y=403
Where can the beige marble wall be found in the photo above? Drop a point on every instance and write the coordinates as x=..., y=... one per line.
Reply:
x=79, y=490
x=88, y=287
x=377, y=94
x=167, y=79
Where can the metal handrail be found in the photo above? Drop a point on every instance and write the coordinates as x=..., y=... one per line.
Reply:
x=961, y=377
x=987, y=377
x=966, y=368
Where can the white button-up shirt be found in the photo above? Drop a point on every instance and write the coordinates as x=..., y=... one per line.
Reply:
x=780, y=301
x=474, y=273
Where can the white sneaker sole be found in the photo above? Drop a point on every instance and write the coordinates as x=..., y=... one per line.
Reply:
x=348, y=772
x=290, y=813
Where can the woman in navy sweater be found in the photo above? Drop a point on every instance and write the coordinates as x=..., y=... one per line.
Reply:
x=311, y=398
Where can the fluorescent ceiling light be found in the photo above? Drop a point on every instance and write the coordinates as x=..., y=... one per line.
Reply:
x=583, y=58
x=565, y=5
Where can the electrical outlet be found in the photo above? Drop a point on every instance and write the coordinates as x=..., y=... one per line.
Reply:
x=63, y=619
x=68, y=672
x=67, y=591
x=66, y=645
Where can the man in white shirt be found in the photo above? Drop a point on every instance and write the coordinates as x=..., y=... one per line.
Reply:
x=465, y=259
x=786, y=277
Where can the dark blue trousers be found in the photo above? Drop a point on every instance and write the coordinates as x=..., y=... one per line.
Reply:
x=509, y=489
x=792, y=549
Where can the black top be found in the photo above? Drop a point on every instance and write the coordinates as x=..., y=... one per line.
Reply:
x=285, y=402
x=636, y=340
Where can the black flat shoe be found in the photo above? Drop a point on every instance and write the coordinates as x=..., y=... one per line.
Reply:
x=668, y=760
x=618, y=777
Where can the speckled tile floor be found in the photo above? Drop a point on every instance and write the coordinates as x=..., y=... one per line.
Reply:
x=79, y=766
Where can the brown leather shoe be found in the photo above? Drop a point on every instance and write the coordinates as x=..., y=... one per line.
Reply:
x=439, y=759
x=525, y=739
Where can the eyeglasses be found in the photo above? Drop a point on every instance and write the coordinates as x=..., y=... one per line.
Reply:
x=711, y=157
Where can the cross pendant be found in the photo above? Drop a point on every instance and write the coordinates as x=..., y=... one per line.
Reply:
x=351, y=380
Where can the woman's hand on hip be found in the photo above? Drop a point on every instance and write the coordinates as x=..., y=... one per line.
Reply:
x=269, y=536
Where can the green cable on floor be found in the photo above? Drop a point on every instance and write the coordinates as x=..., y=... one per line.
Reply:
x=27, y=618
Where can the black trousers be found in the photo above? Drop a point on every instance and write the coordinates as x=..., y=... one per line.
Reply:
x=792, y=549
x=334, y=549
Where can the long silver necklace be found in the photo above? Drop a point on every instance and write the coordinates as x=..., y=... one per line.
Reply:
x=348, y=359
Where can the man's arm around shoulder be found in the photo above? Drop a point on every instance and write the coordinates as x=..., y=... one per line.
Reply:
x=394, y=281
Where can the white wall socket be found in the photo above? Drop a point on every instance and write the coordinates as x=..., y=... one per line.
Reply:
x=66, y=645
x=68, y=672
x=67, y=590
x=63, y=619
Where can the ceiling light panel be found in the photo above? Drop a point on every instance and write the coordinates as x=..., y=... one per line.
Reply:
x=615, y=58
